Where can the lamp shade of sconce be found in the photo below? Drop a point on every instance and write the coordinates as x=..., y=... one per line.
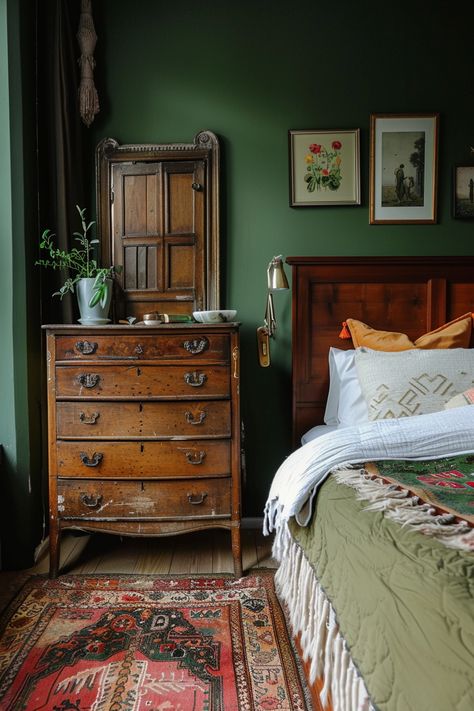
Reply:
x=276, y=276
x=276, y=280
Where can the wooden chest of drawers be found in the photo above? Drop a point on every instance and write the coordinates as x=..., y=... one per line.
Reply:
x=144, y=431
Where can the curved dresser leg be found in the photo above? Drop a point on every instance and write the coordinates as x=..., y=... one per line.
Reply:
x=54, y=550
x=236, y=549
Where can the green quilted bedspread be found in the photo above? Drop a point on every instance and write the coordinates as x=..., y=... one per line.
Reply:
x=404, y=603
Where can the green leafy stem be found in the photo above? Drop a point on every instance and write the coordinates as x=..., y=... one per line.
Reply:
x=80, y=262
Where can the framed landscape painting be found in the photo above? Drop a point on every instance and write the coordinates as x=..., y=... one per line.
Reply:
x=463, y=192
x=324, y=168
x=403, y=168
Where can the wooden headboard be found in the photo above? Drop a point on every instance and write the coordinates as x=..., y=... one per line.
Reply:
x=412, y=295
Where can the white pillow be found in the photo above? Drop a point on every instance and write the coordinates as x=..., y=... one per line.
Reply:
x=332, y=402
x=413, y=382
x=345, y=405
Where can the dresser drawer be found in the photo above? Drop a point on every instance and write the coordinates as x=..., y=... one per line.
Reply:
x=142, y=346
x=144, y=500
x=142, y=381
x=137, y=460
x=180, y=420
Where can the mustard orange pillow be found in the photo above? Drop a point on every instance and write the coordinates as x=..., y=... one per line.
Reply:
x=455, y=334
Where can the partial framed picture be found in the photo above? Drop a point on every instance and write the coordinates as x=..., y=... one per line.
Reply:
x=463, y=192
x=324, y=168
x=403, y=168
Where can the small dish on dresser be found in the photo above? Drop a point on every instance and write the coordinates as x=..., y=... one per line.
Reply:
x=216, y=316
x=152, y=319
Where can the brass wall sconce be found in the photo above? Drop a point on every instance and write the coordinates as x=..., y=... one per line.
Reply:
x=276, y=281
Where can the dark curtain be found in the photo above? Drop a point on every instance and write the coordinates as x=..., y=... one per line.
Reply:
x=62, y=165
x=61, y=141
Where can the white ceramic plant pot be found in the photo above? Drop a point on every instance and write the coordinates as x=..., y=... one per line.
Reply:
x=92, y=315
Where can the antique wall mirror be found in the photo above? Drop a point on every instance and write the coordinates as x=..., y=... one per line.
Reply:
x=158, y=218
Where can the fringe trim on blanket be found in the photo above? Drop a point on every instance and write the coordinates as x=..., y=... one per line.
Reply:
x=311, y=615
x=399, y=505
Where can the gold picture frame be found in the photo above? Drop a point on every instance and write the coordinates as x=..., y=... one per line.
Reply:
x=403, y=168
x=324, y=167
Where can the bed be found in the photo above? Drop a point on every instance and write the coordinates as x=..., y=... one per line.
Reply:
x=374, y=514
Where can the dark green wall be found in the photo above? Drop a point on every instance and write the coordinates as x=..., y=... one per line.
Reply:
x=20, y=382
x=250, y=71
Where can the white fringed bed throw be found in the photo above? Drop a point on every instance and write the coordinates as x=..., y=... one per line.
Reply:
x=431, y=436
x=311, y=615
x=406, y=509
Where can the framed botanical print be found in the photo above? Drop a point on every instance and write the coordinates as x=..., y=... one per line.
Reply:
x=324, y=168
x=463, y=192
x=403, y=168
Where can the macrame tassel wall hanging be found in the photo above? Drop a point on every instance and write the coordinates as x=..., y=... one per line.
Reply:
x=87, y=38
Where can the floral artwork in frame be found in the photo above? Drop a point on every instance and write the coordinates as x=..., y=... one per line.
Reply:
x=463, y=192
x=324, y=168
x=403, y=168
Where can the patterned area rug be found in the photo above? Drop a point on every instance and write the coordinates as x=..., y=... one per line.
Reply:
x=136, y=643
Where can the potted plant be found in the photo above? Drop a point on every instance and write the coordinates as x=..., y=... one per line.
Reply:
x=92, y=284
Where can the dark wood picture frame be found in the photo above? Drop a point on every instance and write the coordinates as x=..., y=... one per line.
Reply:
x=403, y=168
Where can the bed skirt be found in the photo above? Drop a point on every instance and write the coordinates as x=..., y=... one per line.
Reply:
x=313, y=622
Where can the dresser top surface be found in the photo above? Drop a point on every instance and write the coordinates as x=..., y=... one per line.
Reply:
x=140, y=328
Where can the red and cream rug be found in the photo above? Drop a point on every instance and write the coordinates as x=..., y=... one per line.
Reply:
x=146, y=643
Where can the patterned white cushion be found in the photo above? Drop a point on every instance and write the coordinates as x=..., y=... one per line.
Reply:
x=413, y=382
x=465, y=398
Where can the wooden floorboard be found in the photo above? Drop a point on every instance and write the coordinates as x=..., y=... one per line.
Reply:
x=263, y=546
x=156, y=557
x=199, y=553
x=249, y=552
x=202, y=552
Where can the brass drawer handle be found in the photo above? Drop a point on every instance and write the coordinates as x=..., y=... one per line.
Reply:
x=86, y=347
x=88, y=380
x=92, y=502
x=195, y=457
x=89, y=419
x=196, y=500
x=192, y=420
x=196, y=380
x=94, y=462
x=196, y=346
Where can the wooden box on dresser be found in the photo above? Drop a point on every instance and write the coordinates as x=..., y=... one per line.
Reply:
x=144, y=431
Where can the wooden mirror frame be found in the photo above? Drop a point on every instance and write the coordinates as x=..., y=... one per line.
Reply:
x=205, y=148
